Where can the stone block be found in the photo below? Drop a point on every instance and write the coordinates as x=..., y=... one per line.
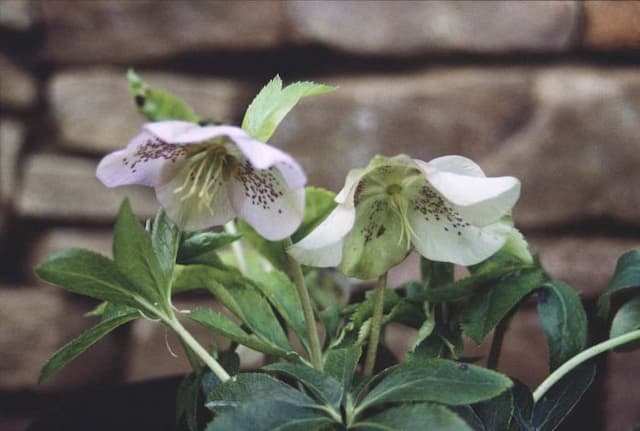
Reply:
x=17, y=87
x=612, y=25
x=94, y=112
x=18, y=14
x=65, y=188
x=34, y=323
x=405, y=28
x=11, y=141
x=124, y=31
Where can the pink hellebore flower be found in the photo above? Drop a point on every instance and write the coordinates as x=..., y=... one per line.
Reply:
x=206, y=175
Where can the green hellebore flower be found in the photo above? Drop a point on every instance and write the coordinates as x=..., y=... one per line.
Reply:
x=447, y=209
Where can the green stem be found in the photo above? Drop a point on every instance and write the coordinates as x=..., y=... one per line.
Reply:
x=582, y=357
x=496, y=343
x=193, y=360
x=298, y=278
x=236, y=247
x=376, y=324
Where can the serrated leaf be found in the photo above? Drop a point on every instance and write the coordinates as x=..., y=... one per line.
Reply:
x=435, y=274
x=164, y=240
x=557, y=403
x=87, y=273
x=273, y=103
x=158, y=105
x=627, y=319
x=437, y=380
x=134, y=255
x=196, y=245
x=324, y=387
x=413, y=417
x=341, y=365
x=625, y=276
x=78, y=345
x=486, y=309
x=563, y=320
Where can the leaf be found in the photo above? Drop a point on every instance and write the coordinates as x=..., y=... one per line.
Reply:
x=269, y=415
x=627, y=319
x=319, y=203
x=158, y=105
x=78, y=345
x=273, y=251
x=164, y=240
x=435, y=274
x=324, y=387
x=87, y=273
x=196, y=245
x=273, y=103
x=437, y=380
x=557, y=403
x=134, y=256
x=563, y=320
x=496, y=413
x=341, y=365
x=414, y=417
x=522, y=406
x=188, y=400
x=489, y=307
x=625, y=276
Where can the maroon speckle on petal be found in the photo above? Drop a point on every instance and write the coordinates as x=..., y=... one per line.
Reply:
x=155, y=149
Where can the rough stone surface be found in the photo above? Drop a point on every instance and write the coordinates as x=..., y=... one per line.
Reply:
x=11, y=140
x=425, y=114
x=612, y=24
x=17, y=14
x=95, y=113
x=65, y=188
x=34, y=323
x=622, y=391
x=578, y=156
x=17, y=87
x=408, y=28
x=135, y=30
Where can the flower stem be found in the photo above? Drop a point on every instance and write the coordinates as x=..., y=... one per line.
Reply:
x=582, y=357
x=376, y=323
x=236, y=246
x=296, y=273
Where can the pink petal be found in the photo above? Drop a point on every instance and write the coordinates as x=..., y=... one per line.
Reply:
x=183, y=132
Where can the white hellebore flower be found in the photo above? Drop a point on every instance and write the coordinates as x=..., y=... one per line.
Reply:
x=447, y=209
x=206, y=175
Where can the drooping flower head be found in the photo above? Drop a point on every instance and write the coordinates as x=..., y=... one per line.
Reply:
x=206, y=175
x=447, y=209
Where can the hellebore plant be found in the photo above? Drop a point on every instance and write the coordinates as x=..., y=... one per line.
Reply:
x=327, y=363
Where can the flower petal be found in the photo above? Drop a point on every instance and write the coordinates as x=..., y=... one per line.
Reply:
x=345, y=196
x=323, y=246
x=480, y=200
x=456, y=165
x=146, y=160
x=192, y=212
x=265, y=201
x=184, y=132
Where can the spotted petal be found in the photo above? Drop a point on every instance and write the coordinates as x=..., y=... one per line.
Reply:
x=146, y=161
x=323, y=246
x=265, y=201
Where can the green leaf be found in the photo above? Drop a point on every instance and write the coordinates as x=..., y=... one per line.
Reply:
x=188, y=399
x=522, y=406
x=134, y=256
x=269, y=415
x=557, y=403
x=197, y=245
x=496, y=413
x=318, y=204
x=164, y=240
x=625, y=276
x=273, y=251
x=78, y=345
x=490, y=306
x=438, y=380
x=627, y=319
x=158, y=105
x=517, y=246
x=563, y=320
x=414, y=417
x=87, y=273
x=273, y=103
x=191, y=277
x=435, y=274
x=341, y=365
x=324, y=387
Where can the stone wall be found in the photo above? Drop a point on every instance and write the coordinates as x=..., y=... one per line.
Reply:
x=546, y=91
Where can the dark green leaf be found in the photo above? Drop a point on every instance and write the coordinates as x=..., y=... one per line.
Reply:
x=318, y=204
x=437, y=380
x=324, y=387
x=435, y=274
x=341, y=365
x=627, y=319
x=134, y=256
x=489, y=307
x=197, y=245
x=470, y=417
x=164, y=240
x=414, y=417
x=557, y=403
x=563, y=320
x=522, y=406
x=87, y=273
x=188, y=399
x=78, y=345
x=157, y=105
x=496, y=413
x=625, y=276
x=191, y=277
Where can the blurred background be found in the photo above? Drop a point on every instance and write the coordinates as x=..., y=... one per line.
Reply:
x=545, y=91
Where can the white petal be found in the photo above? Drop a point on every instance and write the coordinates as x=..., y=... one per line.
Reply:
x=193, y=213
x=264, y=200
x=350, y=184
x=264, y=156
x=323, y=246
x=456, y=165
x=183, y=132
x=146, y=160
x=437, y=238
